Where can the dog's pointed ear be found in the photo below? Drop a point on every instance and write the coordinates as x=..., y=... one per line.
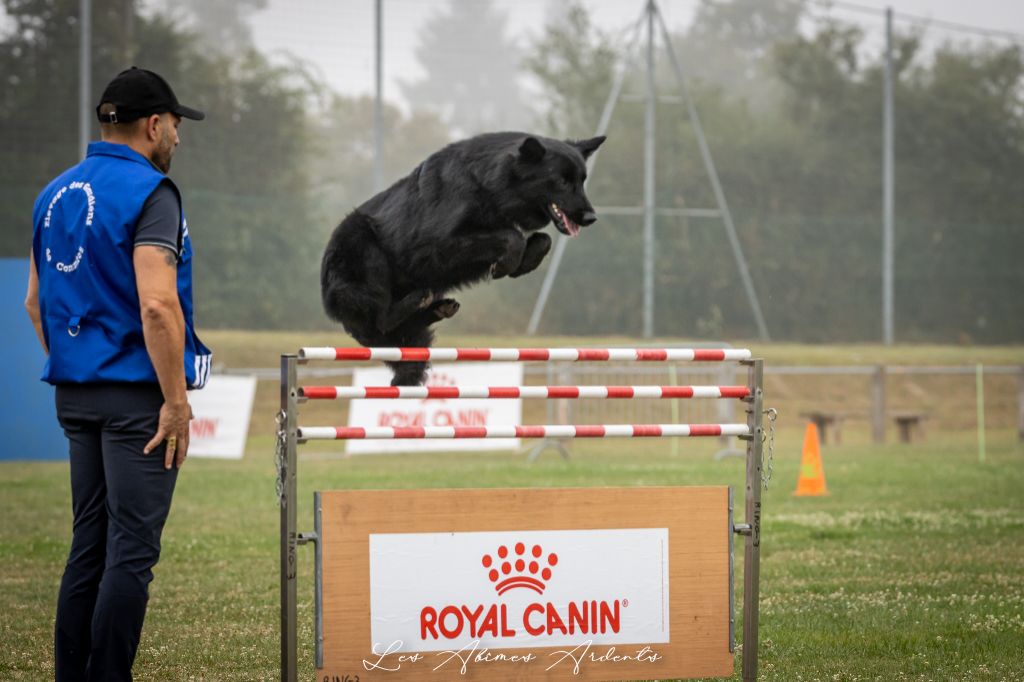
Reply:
x=531, y=150
x=588, y=147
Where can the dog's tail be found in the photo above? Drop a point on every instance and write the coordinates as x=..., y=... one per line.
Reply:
x=413, y=334
x=408, y=373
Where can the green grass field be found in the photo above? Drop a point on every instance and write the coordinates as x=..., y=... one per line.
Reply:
x=911, y=568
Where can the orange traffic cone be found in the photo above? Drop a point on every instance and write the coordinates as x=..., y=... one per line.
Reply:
x=812, y=474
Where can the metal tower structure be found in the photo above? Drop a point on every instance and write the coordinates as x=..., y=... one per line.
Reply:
x=652, y=17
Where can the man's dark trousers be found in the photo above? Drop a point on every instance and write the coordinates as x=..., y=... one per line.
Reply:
x=120, y=498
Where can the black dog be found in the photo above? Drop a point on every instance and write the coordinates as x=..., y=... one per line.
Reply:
x=471, y=210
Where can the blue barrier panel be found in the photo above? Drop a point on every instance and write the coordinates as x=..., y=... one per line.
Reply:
x=28, y=420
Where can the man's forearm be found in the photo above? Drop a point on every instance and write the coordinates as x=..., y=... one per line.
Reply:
x=163, y=327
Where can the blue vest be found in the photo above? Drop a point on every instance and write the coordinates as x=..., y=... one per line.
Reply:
x=83, y=240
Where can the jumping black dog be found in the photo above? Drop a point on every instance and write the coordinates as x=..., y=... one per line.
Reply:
x=470, y=211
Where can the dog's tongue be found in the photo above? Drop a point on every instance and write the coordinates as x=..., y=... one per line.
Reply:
x=573, y=228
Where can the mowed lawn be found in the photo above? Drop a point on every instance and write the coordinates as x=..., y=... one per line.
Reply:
x=912, y=568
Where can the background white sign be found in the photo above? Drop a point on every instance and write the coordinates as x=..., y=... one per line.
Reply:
x=434, y=412
x=410, y=571
x=220, y=416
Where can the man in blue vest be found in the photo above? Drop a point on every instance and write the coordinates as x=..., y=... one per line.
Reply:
x=110, y=295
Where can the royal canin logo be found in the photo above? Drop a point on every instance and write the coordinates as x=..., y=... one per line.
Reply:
x=521, y=563
x=518, y=568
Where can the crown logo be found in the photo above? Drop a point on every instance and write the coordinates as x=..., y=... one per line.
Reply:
x=530, y=570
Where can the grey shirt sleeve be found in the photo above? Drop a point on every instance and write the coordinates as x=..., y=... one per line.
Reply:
x=160, y=221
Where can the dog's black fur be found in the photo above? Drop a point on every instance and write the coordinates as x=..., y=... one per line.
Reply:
x=471, y=210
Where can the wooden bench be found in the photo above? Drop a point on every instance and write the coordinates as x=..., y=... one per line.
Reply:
x=909, y=424
x=826, y=420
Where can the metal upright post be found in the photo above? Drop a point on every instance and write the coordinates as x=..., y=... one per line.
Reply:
x=979, y=386
x=878, y=404
x=1020, y=405
x=378, y=104
x=649, y=180
x=84, y=74
x=887, y=190
x=128, y=30
x=287, y=498
x=752, y=552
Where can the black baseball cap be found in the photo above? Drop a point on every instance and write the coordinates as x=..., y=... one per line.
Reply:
x=139, y=92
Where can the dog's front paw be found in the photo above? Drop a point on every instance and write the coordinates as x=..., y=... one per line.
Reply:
x=427, y=299
x=445, y=308
x=537, y=248
x=501, y=269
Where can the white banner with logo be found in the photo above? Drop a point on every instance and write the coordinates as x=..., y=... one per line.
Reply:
x=443, y=591
x=220, y=416
x=438, y=412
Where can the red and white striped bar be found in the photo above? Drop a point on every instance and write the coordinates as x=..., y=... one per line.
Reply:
x=558, y=431
x=448, y=392
x=526, y=354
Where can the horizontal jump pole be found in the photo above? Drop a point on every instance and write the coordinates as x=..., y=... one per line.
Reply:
x=446, y=392
x=557, y=431
x=526, y=354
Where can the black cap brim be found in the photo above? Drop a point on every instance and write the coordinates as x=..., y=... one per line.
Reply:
x=189, y=112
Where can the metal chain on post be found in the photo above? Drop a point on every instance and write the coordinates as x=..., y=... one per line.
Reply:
x=766, y=460
x=279, y=456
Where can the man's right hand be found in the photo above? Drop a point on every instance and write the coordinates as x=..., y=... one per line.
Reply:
x=174, y=428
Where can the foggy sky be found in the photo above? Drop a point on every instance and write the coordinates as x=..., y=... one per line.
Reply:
x=338, y=37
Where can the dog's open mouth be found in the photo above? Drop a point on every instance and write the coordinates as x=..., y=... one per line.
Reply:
x=564, y=224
